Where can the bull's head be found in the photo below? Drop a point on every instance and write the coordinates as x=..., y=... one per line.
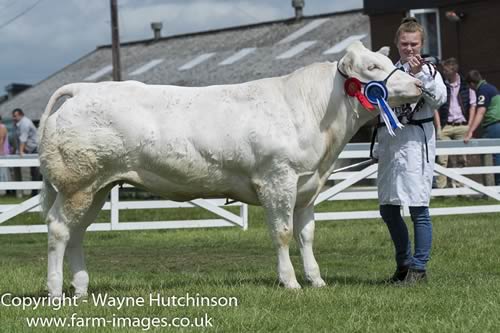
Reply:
x=365, y=65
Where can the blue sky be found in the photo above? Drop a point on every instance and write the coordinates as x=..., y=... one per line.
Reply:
x=54, y=33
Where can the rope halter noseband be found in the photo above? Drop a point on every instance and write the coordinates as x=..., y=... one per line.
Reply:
x=375, y=94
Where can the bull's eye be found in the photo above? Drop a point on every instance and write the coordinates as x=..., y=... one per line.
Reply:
x=373, y=67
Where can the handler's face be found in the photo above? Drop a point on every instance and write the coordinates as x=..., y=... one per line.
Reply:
x=16, y=116
x=450, y=72
x=409, y=45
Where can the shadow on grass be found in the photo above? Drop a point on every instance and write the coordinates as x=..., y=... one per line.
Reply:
x=147, y=285
x=354, y=280
x=227, y=282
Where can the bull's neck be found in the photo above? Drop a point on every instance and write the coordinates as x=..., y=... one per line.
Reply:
x=339, y=116
x=344, y=114
x=314, y=85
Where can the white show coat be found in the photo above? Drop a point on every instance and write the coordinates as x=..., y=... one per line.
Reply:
x=404, y=176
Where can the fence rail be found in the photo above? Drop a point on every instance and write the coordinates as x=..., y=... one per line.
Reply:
x=342, y=190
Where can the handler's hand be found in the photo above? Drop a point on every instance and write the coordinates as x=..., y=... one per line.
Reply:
x=439, y=134
x=467, y=137
x=416, y=62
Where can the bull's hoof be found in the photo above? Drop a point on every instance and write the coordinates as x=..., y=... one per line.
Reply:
x=81, y=294
x=55, y=295
x=318, y=283
x=291, y=285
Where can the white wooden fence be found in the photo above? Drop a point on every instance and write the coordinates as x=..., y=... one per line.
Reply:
x=343, y=190
x=114, y=205
x=471, y=187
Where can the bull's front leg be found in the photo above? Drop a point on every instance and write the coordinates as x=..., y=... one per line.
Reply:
x=303, y=228
x=277, y=195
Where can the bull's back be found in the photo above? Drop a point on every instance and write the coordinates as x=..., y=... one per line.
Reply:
x=206, y=137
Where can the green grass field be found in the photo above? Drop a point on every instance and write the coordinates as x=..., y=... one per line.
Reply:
x=462, y=295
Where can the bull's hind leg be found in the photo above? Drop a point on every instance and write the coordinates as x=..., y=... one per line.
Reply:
x=277, y=196
x=58, y=235
x=65, y=215
x=303, y=229
x=74, y=250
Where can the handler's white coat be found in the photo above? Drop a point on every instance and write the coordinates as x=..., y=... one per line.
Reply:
x=404, y=176
x=270, y=142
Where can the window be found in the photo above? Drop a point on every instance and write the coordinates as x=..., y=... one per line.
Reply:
x=429, y=18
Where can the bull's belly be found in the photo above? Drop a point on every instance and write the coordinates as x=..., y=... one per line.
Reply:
x=210, y=181
x=308, y=187
x=184, y=188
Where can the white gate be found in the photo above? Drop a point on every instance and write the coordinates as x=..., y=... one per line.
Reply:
x=341, y=190
x=344, y=190
x=7, y=212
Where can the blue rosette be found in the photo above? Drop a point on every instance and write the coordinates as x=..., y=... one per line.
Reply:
x=376, y=93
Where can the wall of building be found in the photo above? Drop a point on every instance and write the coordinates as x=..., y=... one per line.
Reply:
x=474, y=41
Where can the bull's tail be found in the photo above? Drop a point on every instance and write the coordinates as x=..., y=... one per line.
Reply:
x=48, y=193
x=47, y=198
x=67, y=90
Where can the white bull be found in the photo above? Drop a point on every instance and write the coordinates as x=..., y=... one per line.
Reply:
x=270, y=142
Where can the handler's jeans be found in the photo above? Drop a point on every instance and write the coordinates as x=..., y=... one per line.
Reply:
x=391, y=214
x=493, y=132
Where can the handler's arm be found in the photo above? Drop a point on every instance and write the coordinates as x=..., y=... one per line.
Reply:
x=480, y=111
x=23, y=138
x=434, y=85
x=22, y=147
x=437, y=123
x=472, y=115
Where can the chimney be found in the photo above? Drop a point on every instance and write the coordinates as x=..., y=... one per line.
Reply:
x=156, y=26
x=299, y=6
x=15, y=88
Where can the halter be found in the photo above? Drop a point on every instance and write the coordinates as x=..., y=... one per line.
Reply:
x=375, y=94
x=365, y=83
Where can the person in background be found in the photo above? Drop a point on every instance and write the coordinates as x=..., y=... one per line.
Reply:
x=406, y=160
x=27, y=140
x=454, y=116
x=4, y=150
x=487, y=112
x=26, y=133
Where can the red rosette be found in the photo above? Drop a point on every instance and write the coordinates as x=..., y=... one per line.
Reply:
x=352, y=86
x=363, y=101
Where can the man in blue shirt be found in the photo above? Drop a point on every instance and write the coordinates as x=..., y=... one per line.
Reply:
x=487, y=112
x=27, y=140
x=26, y=133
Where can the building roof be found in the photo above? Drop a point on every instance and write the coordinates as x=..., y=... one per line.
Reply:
x=223, y=56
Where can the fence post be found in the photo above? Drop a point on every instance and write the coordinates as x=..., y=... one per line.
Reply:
x=115, y=217
x=488, y=179
x=244, y=215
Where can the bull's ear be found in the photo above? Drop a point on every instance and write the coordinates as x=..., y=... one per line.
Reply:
x=355, y=46
x=384, y=50
x=345, y=64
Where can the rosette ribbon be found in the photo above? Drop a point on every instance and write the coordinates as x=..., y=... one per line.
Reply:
x=376, y=93
x=352, y=87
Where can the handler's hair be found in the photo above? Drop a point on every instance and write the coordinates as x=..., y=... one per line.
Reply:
x=409, y=24
x=473, y=77
x=450, y=62
x=18, y=111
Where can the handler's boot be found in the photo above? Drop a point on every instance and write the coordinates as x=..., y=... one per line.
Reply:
x=399, y=275
x=415, y=276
